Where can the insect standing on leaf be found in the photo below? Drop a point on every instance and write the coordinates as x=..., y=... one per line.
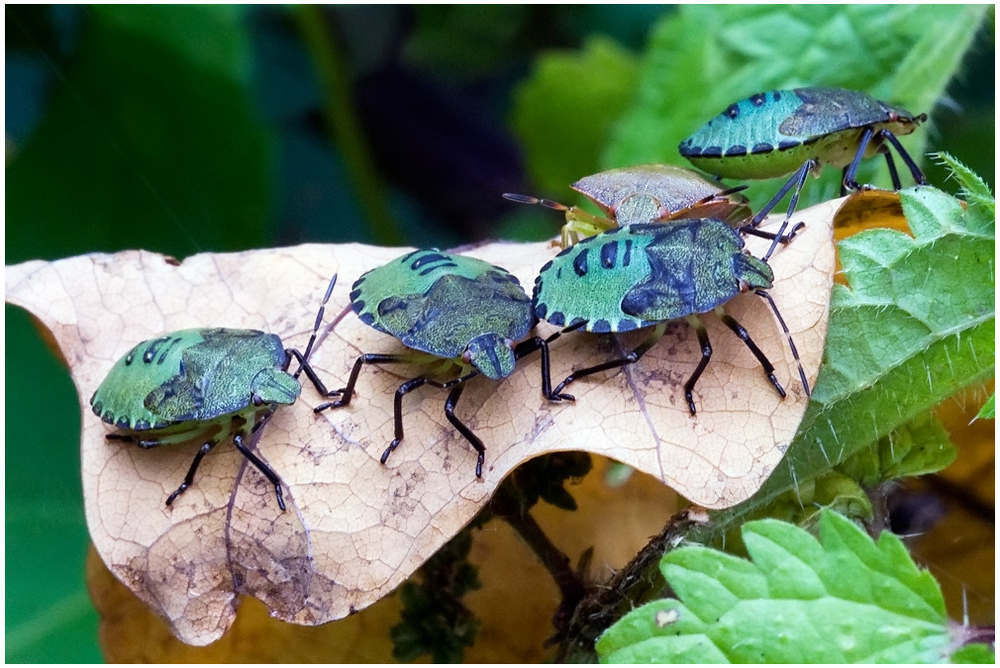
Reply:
x=206, y=385
x=647, y=275
x=779, y=132
x=643, y=194
x=458, y=312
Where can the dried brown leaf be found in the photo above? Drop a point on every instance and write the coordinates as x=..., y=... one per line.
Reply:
x=514, y=606
x=355, y=529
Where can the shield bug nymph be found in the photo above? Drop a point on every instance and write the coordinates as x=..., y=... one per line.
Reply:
x=779, y=132
x=645, y=276
x=643, y=194
x=207, y=385
x=459, y=314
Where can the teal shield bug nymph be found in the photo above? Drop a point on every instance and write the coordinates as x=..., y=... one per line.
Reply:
x=643, y=194
x=466, y=312
x=204, y=385
x=783, y=131
x=647, y=275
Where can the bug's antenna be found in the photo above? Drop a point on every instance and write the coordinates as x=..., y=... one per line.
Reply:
x=319, y=321
x=788, y=335
x=528, y=199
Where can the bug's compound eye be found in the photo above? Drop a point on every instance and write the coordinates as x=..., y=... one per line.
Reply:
x=256, y=399
x=467, y=357
x=509, y=343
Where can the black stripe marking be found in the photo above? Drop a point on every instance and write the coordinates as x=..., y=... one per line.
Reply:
x=738, y=149
x=580, y=263
x=763, y=147
x=712, y=152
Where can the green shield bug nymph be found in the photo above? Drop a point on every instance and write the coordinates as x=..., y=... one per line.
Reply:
x=204, y=384
x=647, y=275
x=783, y=131
x=454, y=308
x=643, y=194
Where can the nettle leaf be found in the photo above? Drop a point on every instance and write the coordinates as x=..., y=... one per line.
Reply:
x=842, y=599
x=702, y=58
x=355, y=529
x=920, y=447
x=989, y=409
x=914, y=325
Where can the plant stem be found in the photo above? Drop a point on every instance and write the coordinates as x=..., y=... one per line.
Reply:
x=342, y=121
x=506, y=505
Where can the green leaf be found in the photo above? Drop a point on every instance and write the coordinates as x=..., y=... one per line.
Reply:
x=989, y=409
x=974, y=653
x=915, y=326
x=920, y=447
x=704, y=57
x=844, y=598
x=972, y=186
x=150, y=141
x=49, y=618
x=563, y=113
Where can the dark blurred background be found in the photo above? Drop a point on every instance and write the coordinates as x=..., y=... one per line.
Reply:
x=192, y=129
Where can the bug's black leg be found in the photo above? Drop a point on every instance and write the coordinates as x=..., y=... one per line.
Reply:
x=918, y=175
x=115, y=436
x=631, y=358
x=738, y=329
x=397, y=412
x=449, y=412
x=529, y=346
x=891, y=164
x=304, y=366
x=850, y=171
x=262, y=467
x=788, y=335
x=189, y=478
x=405, y=388
x=347, y=392
x=706, y=355
x=784, y=239
x=799, y=178
x=793, y=202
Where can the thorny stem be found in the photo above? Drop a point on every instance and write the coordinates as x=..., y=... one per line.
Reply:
x=630, y=586
x=507, y=506
x=343, y=124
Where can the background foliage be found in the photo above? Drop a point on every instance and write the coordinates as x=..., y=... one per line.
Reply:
x=190, y=129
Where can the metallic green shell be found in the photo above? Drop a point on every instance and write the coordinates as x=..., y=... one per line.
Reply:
x=636, y=195
x=645, y=274
x=194, y=375
x=447, y=305
x=772, y=134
